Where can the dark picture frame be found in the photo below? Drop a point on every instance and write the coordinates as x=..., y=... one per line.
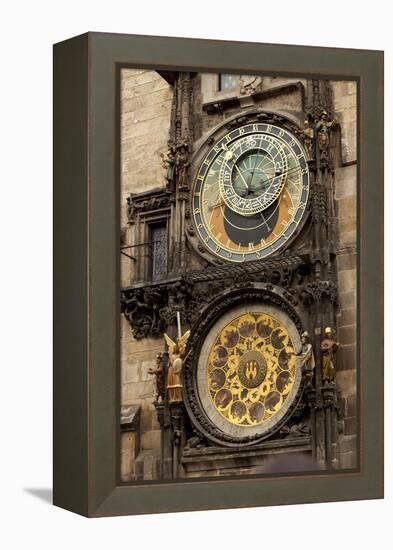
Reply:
x=86, y=273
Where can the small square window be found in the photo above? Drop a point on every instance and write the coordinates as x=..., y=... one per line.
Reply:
x=227, y=82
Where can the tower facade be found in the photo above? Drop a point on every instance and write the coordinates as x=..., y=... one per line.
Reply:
x=238, y=196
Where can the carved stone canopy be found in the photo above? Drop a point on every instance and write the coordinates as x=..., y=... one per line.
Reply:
x=151, y=308
x=139, y=203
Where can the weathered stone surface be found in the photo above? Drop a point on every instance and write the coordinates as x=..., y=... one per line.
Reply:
x=347, y=280
x=350, y=425
x=146, y=419
x=346, y=260
x=151, y=440
x=348, y=443
x=346, y=207
x=146, y=101
x=131, y=370
x=348, y=461
x=127, y=459
x=346, y=382
x=346, y=357
x=352, y=405
x=145, y=366
x=139, y=390
x=347, y=335
x=344, y=95
x=344, y=181
x=347, y=226
x=347, y=317
x=347, y=299
x=147, y=465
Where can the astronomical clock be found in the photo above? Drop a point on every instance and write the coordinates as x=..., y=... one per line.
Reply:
x=249, y=270
x=251, y=192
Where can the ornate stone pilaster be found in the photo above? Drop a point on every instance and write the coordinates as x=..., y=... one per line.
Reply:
x=177, y=164
x=329, y=395
x=177, y=421
x=310, y=399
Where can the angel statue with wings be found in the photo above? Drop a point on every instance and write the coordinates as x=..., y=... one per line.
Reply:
x=176, y=358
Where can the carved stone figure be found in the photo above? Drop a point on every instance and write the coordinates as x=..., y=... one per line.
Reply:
x=329, y=349
x=182, y=164
x=159, y=373
x=130, y=209
x=176, y=357
x=296, y=430
x=168, y=162
x=324, y=127
x=307, y=135
x=306, y=355
x=250, y=84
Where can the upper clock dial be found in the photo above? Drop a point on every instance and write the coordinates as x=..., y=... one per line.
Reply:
x=251, y=192
x=253, y=173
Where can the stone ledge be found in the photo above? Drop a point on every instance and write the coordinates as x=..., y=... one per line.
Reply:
x=211, y=458
x=348, y=443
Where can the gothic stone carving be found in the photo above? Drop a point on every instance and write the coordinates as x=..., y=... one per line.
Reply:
x=152, y=308
x=146, y=202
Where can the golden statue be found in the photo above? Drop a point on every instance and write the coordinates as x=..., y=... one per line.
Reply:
x=176, y=358
x=306, y=355
x=329, y=348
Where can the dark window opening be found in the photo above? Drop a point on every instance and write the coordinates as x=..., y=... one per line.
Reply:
x=227, y=82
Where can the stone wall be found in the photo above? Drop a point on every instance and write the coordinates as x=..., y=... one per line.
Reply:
x=146, y=100
x=289, y=101
x=145, y=115
x=344, y=95
x=138, y=388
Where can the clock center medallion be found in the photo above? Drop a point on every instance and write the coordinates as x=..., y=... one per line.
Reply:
x=252, y=369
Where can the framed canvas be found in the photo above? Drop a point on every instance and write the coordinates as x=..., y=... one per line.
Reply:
x=218, y=287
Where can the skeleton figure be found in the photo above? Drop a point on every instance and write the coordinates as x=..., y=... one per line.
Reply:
x=176, y=357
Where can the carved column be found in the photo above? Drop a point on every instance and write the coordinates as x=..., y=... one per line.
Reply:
x=164, y=419
x=310, y=400
x=330, y=405
x=177, y=420
x=318, y=106
x=320, y=442
x=160, y=417
x=180, y=143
